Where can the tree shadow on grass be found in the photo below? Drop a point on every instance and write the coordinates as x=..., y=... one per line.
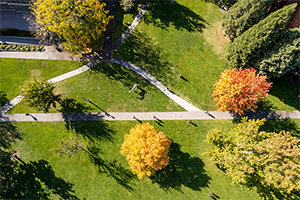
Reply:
x=34, y=180
x=182, y=170
x=94, y=131
x=123, y=75
x=3, y=98
x=268, y=192
x=271, y=125
x=265, y=109
x=112, y=169
x=120, y=73
x=286, y=88
x=8, y=134
x=119, y=28
x=163, y=15
x=265, y=105
x=277, y=125
x=139, y=49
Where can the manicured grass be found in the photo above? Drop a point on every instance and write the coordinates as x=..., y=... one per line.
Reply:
x=15, y=72
x=107, y=85
x=103, y=173
x=170, y=41
x=187, y=39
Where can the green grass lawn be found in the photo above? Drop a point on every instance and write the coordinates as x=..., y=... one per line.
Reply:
x=15, y=72
x=187, y=39
x=101, y=172
x=107, y=85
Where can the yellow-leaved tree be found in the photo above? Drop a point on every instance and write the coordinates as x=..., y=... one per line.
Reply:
x=146, y=150
x=239, y=90
x=80, y=22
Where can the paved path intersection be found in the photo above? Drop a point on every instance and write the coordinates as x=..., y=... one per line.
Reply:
x=193, y=113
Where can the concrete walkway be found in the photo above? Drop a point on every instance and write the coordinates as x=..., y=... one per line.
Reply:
x=184, y=104
x=152, y=80
x=194, y=112
x=50, y=53
x=138, y=116
x=70, y=74
x=131, y=27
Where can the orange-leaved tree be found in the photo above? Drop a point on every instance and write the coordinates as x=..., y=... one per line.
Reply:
x=146, y=150
x=239, y=90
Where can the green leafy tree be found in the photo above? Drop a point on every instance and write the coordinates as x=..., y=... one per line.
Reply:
x=243, y=15
x=252, y=157
x=284, y=56
x=40, y=94
x=80, y=22
x=127, y=5
x=251, y=45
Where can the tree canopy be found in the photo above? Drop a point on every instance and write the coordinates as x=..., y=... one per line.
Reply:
x=40, y=94
x=284, y=56
x=146, y=150
x=252, y=44
x=252, y=157
x=80, y=22
x=239, y=90
x=243, y=15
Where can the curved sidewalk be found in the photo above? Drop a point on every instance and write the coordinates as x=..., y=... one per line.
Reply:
x=67, y=75
x=184, y=104
x=138, y=116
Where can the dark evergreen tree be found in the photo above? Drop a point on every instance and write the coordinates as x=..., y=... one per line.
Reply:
x=244, y=14
x=284, y=56
x=247, y=49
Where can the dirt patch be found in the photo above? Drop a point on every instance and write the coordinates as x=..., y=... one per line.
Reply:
x=216, y=38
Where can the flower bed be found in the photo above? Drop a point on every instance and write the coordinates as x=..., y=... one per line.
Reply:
x=20, y=47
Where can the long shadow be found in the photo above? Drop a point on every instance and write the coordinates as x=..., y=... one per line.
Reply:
x=277, y=125
x=268, y=192
x=119, y=28
x=34, y=180
x=106, y=113
x=265, y=109
x=123, y=75
x=95, y=131
x=271, y=124
x=162, y=14
x=286, y=88
x=141, y=50
x=112, y=169
x=3, y=98
x=182, y=170
x=8, y=134
x=120, y=73
x=141, y=92
x=265, y=105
